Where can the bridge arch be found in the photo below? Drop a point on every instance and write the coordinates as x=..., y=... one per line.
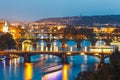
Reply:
x=85, y=43
x=71, y=43
x=42, y=43
x=26, y=45
x=56, y=43
x=100, y=43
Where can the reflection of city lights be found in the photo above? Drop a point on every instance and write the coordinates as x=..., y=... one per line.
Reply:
x=52, y=76
x=28, y=71
x=4, y=65
x=83, y=67
x=85, y=57
x=65, y=72
x=10, y=66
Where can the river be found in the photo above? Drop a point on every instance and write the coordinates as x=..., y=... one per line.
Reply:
x=16, y=69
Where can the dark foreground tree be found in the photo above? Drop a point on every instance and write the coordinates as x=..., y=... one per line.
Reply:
x=109, y=71
x=7, y=41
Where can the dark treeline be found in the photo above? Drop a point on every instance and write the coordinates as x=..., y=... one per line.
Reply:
x=108, y=71
x=78, y=33
x=84, y=20
x=7, y=41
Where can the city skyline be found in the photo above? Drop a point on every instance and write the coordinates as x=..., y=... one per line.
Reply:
x=31, y=10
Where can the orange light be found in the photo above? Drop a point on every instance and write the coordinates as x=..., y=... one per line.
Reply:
x=96, y=54
x=82, y=53
x=65, y=72
x=68, y=53
x=28, y=73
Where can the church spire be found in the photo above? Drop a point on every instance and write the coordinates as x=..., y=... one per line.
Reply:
x=5, y=27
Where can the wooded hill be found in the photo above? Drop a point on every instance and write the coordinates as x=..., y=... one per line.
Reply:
x=83, y=20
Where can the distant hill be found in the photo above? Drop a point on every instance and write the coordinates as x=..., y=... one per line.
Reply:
x=83, y=20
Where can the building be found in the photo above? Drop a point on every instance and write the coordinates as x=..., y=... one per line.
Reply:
x=104, y=29
x=12, y=29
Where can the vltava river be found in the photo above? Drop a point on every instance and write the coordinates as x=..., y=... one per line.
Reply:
x=16, y=69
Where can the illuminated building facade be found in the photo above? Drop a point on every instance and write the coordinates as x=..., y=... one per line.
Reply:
x=11, y=28
x=104, y=29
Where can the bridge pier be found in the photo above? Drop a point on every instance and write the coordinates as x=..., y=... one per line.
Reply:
x=64, y=58
x=35, y=45
x=64, y=45
x=27, y=58
x=102, y=58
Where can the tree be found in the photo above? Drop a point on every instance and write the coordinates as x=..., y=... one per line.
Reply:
x=7, y=41
x=107, y=72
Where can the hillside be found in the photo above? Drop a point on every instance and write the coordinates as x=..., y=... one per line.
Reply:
x=83, y=20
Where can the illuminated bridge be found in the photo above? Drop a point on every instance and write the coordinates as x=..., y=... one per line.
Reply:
x=62, y=54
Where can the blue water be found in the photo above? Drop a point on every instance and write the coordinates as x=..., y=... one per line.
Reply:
x=16, y=69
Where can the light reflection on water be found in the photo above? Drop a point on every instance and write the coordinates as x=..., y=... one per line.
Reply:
x=65, y=72
x=58, y=75
x=15, y=69
x=53, y=76
x=28, y=71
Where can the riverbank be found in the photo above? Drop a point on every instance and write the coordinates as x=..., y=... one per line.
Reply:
x=109, y=71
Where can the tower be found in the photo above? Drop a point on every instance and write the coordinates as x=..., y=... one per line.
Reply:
x=5, y=27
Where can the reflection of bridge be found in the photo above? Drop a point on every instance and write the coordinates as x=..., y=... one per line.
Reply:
x=62, y=54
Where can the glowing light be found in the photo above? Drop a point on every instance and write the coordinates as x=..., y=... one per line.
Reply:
x=28, y=73
x=85, y=57
x=42, y=37
x=65, y=72
x=51, y=48
x=26, y=45
x=85, y=49
x=71, y=49
x=68, y=53
x=5, y=27
x=52, y=76
x=46, y=48
x=59, y=27
x=96, y=54
x=22, y=27
x=82, y=53
x=55, y=48
x=42, y=46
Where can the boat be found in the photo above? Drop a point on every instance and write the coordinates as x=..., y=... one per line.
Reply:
x=50, y=69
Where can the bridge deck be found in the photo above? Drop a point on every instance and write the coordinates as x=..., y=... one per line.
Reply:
x=57, y=53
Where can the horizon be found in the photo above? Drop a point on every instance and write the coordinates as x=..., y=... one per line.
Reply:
x=31, y=10
x=12, y=20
